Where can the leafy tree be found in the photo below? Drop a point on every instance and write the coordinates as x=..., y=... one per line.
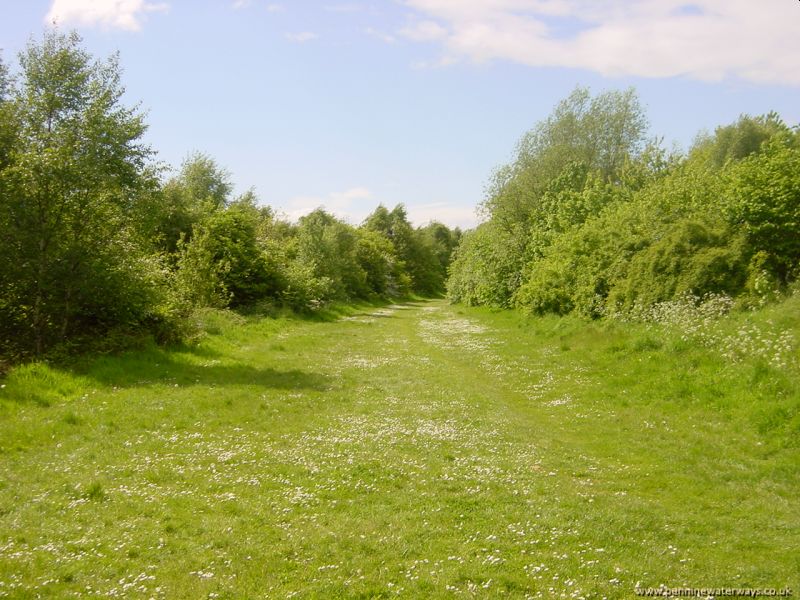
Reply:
x=329, y=248
x=577, y=271
x=206, y=182
x=380, y=221
x=223, y=263
x=200, y=189
x=566, y=170
x=763, y=196
x=7, y=120
x=72, y=175
x=601, y=133
x=385, y=274
x=395, y=227
x=586, y=266
x=438, y=243
x=740, y=139
x=486, y=267
x=696, y=257
x=5, y=83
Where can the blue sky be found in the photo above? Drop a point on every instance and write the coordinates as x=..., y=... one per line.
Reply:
x=350, y=104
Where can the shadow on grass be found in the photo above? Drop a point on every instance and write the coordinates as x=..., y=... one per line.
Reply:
x=45, y=384
x=150, y=365
x=158, y=367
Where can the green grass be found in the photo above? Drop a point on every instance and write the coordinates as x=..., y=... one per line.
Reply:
x=419, y=450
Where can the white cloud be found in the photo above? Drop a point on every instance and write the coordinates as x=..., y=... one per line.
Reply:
x=710, y=40
x=353, y=205
x=110, y=14
x=425, y=31
x=451, y=215
x=344, y=8
x=346, y=198
x=275, y=8
x=301, y=37
x=380, y=35
x=357, y=203
x=241, y=4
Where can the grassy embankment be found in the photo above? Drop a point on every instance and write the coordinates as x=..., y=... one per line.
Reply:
x=419, y=450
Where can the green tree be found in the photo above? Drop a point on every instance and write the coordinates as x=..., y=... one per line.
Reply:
x=328, y=248
x=75, y=168
x=379, y=221
x=763, y=197
x=8, y=122
x=566, y=170
x=740, y=139
x=223, y=264
x=694, y=256
x=601, y=133
x=200, y=188
x=4, y=80
x=205, y=181
x=385, y=274
x=439, y=242
x=486, y=267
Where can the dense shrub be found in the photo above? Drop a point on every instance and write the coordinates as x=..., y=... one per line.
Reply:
x=573, y=226
x=486, y=267
x=73, y=260
x=93, y=245
x=693, y=257
x=763, y=198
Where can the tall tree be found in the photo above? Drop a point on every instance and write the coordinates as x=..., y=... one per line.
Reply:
x=566, y=169
x=740, y=139
x=601, y=133
x=764, y=199
x=200, y=188
x=75, y=168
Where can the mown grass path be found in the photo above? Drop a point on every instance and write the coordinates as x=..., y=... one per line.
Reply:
x=416, y=450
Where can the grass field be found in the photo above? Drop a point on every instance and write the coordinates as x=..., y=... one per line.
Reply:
x=418, y=450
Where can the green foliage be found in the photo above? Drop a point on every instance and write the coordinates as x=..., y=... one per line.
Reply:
x=434, y=244
x=328, y=248
x=198, y=280
x=200, y=189
x=205, y=182
x=72, y=260
x=241, y=255
x=222, y=264
x=5, y=83
x=486, y=267
x=741, y=139
x=234, y=248
x=580, y=267
x=305, y=289
x=693, y=257
x=662, y=241
x=420, y=256
x=600, y=133
x=92, y=245
x=382, y=269
x=590, y=219
x=567, y=169
x=763, y=196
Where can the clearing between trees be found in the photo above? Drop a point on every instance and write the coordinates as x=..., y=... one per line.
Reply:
x=416, y=450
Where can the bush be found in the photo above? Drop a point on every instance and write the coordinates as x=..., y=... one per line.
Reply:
x=693, y=257
x=763, y=196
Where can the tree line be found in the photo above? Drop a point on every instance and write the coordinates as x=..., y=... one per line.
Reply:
x=593, y=218
x=590, y=217
x=95, y=243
